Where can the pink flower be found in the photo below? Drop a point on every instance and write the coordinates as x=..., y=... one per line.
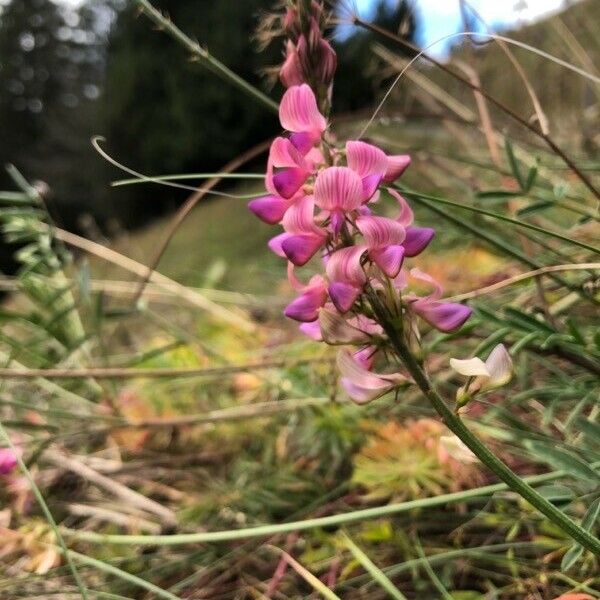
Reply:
x=417, y=238
x=305, y=308
x=369, y=162
x=8, y=460
x=302, y=237
x=445, y=316
x=384, y=238
x=299, y=114
x=338, y=190
x=287, y=168
x=346, y=276
x=359, y=382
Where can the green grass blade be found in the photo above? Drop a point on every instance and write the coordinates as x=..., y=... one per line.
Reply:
x=375, y=572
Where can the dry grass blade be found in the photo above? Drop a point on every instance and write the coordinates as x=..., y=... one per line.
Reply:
x=313, y=581
x=166, y=372
x=110, y=485
x=141, y=270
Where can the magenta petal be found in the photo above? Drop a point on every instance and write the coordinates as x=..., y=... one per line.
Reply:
x=370, y=183
x=388, y=259
x=269, y=209
x=445, y=316
x=338, y=188
x=312, y=330
x=288, y=181
x=301, y=248
x=305, y=308
x=396, y=165
x=417, y=239
x=337, y=221
x=302, y=141
x=298, y=111
x=359, y=394
x=275, y=244
x=365, y=159
x=343, y=295
x=8, y=460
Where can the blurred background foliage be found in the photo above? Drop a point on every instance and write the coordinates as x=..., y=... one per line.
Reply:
x=69, y=73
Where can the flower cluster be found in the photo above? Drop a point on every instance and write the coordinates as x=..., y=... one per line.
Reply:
x=309, y=57
x=324, y=198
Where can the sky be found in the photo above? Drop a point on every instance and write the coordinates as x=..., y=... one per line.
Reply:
x=442, y=17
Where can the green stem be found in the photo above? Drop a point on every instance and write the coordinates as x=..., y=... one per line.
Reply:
x=490, y=460
x=216, y=66
x=316, y=523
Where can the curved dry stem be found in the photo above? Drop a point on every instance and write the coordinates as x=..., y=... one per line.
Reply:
x=490, y=289
x=422, y=53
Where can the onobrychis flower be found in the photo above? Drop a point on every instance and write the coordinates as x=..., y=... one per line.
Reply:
x=495, y=372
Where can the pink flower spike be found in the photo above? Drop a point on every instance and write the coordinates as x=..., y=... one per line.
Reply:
x=417, y=239
x=369, y=162
x=269, y=209
x=396, y=165
x=360, y=383
x=8, y=460
x=338, y=188
x=383, y=237
x=298, y=112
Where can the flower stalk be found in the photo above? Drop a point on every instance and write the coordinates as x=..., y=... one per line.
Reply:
x=483, y=453
x=325, y=197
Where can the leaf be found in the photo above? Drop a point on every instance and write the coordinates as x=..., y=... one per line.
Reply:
x=514, y=165
x=589, y=429
x=496, y=194
x=572, y=555
x=531, y=177
x=576, y=550
x=575, y=332
x=526, y=321
x=534, y=207
x=556, y=493
x=562, y=459
x=376, y=573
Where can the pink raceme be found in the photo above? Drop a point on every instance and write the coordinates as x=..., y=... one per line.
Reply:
x=325, y=197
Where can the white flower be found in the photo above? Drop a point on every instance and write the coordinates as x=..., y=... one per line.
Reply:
x=495, y=372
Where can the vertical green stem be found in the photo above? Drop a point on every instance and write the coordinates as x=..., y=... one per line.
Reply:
x=490, y=460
